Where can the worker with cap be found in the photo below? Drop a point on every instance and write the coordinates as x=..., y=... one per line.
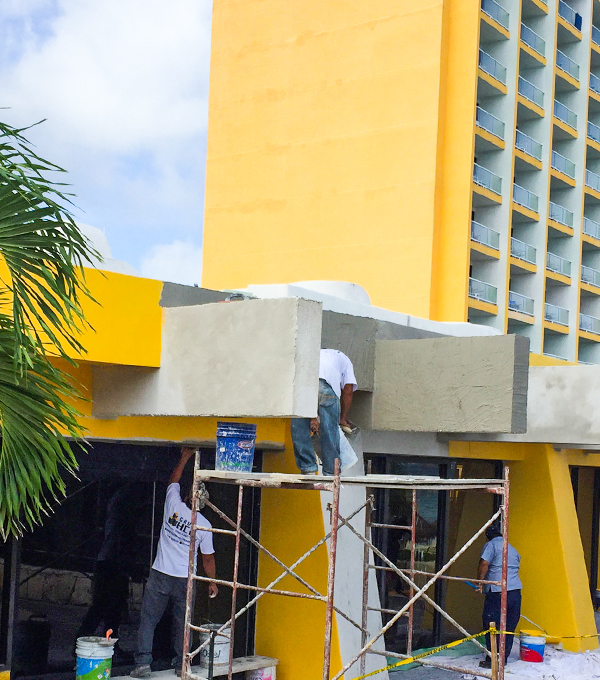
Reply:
x=490, y=569
x=336, y=387
x=167, y=582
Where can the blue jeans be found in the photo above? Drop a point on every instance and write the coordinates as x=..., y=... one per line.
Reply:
x=329, y=434
x=160, y=590
x=491, y=612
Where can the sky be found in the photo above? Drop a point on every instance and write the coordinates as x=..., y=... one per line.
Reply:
x=123, y=86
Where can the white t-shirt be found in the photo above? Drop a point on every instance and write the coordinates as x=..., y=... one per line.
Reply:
x=337, y=370
x=173, y=553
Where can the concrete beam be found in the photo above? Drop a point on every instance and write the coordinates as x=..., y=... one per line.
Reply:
x=476, y=385
x=254, y=358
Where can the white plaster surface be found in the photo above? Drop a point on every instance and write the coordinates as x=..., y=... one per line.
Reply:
x=255, y=358
x=404, y=443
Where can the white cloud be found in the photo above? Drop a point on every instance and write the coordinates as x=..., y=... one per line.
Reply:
x=123, y=85
x=177, y=262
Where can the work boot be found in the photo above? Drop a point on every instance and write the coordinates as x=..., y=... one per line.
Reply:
x=141, y=671
x=177, y=671
x=486, y=663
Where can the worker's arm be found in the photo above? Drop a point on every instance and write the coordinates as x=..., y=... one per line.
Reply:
x=186, y=454
x=345, y=403
x=482, y=571
x=210, y=569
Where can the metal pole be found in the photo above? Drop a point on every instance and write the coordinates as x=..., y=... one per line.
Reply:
x=236, y=564
x=189, y=594
x=365, y=595
x=335, y=505
x=504, y=594
x=413, y=540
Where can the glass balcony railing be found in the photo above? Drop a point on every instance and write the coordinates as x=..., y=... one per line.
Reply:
x=555, y=314
x=493, y=9
x=531, y=92
x=484, y=178
x=567, y=65
x=590, y=276
x=485, y=235
x=589, y=323
x=528, y=145
x=558, y=264
x=565, y=114
x=533, y=40
x=593, y=132
x=525, y=198
x=557, y=213
x=520, y=303
x=596, y=35
x=492, y=67
x=479, y=290
x=488, y=122
x=562, y=164
x=522, y=251
x=591, y=228
x=569, y=15
x=592, y=180
x=594, y=83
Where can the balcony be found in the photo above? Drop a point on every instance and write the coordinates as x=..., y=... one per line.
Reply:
x=528, y=145
x=485, y=235
x=565, y=114
x=592, y=180
x=533, y=40
x=479, y=290
x=594, y=83
x=486, y=179
x=486, y=121
x=567, y=65
x=590, y=276
x=522, y=251
x=591, y=228
x=525, y=198
x=555, y=314
x=589, y=323
x=557, y=264
x=520, y=303
x=492, y=67
x=493, y=9
x=562, y=164
x=593, y=132
x=596, y=36
x=569, y=15
x=557, y=213
x=531, y=92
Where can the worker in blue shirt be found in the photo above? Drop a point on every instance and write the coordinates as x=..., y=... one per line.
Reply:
x=490, y=569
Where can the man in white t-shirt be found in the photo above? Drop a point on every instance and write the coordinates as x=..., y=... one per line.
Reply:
x=336, y=387
x=168, y=577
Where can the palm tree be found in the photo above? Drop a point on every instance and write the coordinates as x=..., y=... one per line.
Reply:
x=42, y=284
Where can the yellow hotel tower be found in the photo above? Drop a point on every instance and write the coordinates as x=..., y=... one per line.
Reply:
x=443, y=154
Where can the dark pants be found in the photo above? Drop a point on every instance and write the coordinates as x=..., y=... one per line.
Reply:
x=160, y=590
x=491, y=612
x=109, y=599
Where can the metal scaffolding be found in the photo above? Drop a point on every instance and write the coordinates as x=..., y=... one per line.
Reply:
x=332, y=484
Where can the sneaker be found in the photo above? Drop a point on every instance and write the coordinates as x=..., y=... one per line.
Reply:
x=142, y=671
x=486, y=663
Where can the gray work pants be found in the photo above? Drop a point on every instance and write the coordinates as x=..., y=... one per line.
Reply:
x=160, y=590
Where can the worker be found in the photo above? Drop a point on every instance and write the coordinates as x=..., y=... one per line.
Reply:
x=490, y=569
x=336, y=387
x=168, y=577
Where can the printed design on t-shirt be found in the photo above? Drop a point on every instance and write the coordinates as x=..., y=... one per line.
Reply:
x=182, y=528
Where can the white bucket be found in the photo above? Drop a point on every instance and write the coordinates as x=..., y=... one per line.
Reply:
x=261, y=674
x=221, y=653
x=94, y=657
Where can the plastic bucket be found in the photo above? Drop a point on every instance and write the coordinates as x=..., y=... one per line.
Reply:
x=532, y=648
x=94, y=658
x=235, y=447
x=261, y=674
x=221, y=651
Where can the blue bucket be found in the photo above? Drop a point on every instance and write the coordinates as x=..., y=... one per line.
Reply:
x=235, y=447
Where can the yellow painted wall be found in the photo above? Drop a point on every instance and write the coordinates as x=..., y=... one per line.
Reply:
x=4, y=675
x=291, y=629
x=323, y=146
